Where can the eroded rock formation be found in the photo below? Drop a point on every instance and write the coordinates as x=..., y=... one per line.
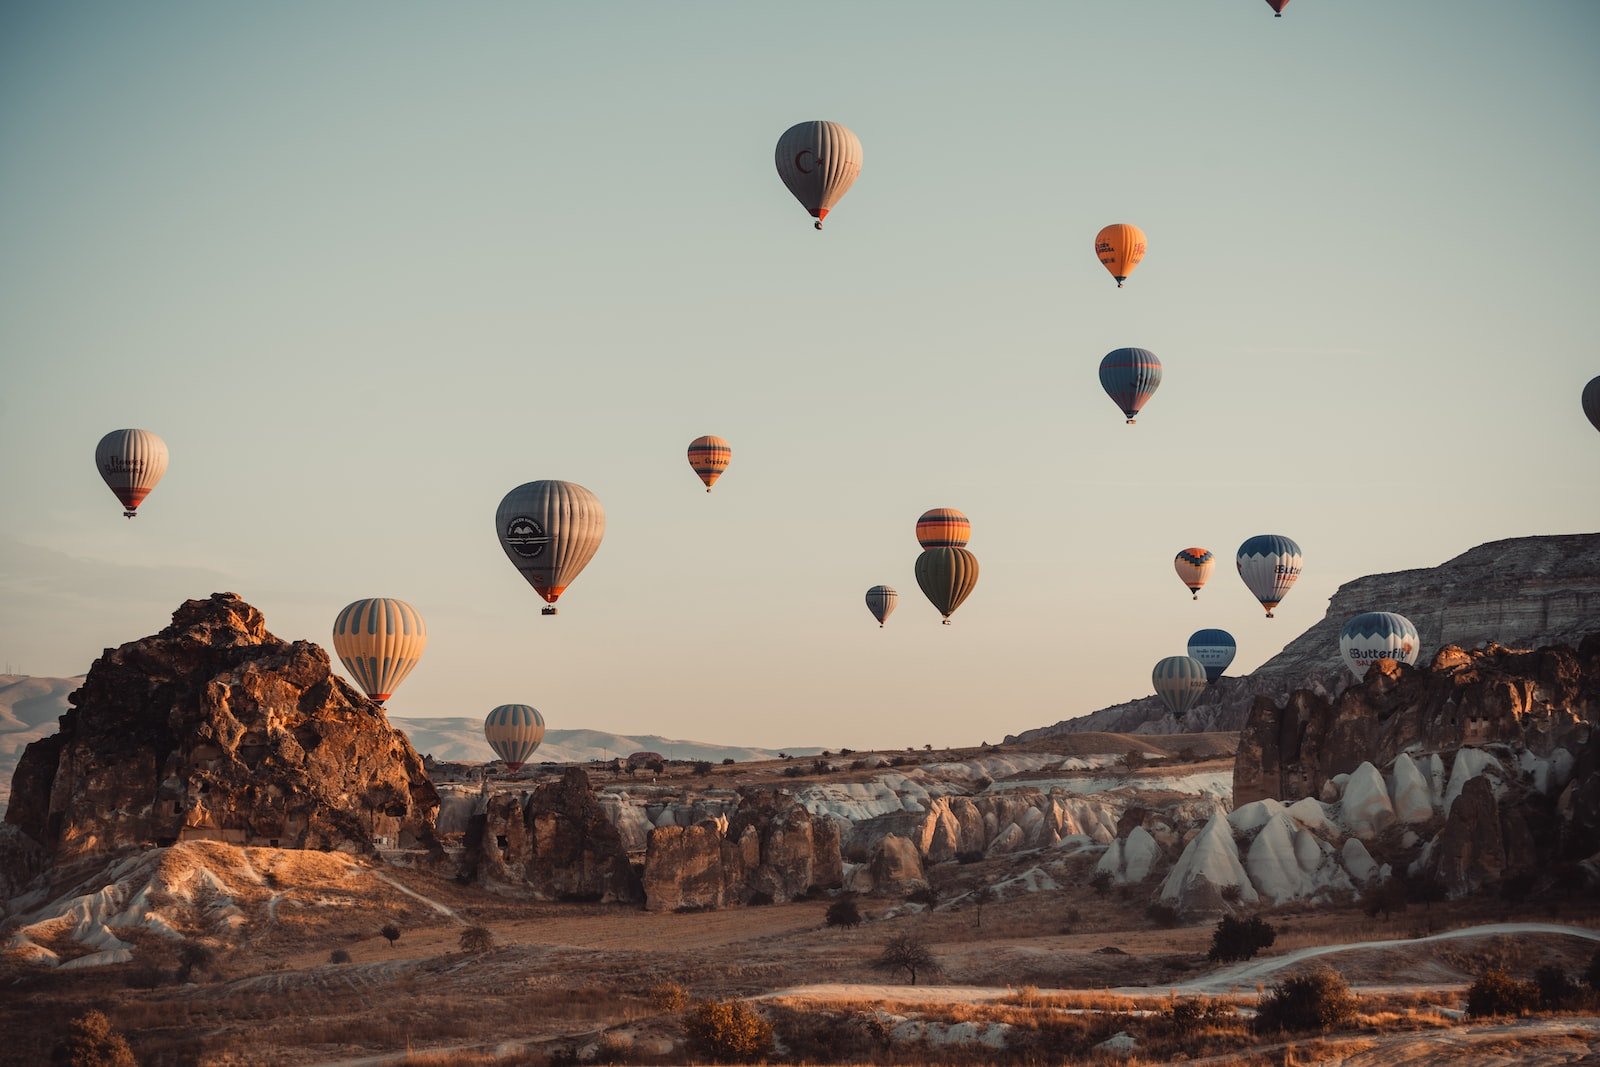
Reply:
x=215, y=729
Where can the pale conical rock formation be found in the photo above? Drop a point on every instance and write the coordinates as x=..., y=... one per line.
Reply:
x=1412, y=799
x=1469, y=763
x=1364, y=808
x=1209, y=864
x=1130, y=861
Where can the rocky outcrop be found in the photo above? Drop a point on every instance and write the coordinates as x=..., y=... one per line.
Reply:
x=897, y=867
x=1534, y=702
x=215, y=729
x=556, y=840
x=1526, y=592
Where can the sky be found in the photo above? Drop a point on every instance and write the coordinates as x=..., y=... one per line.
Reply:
x=366, y=267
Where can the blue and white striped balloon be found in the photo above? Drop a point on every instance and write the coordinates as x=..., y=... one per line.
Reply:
x=514, y=732
x=1179, y=681
x=1375, y=635
x=1214, y=649
x=1269, y=565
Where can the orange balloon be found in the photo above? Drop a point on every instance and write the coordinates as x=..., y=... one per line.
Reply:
x=1120, y=247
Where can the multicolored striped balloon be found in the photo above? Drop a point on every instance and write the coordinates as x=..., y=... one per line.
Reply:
x=514, y=732
x=379, y=640
x=550, y=530
x=1214, y=649
x=1119, y=248
x=1194, y=566
x=709, y=456
x=1130, y=377
x=1269, y=565
x=818, y=161
x=1179, y=681
x=881, y=601
x=131, y=462
x=1375, y=635
x=947, y=577
x=943, y=528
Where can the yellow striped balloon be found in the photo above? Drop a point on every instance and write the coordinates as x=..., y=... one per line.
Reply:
x=947, y=577
x=514, y=732
x=709, y=456
x=379, y=640
x=943, y=528
x=1194, y=566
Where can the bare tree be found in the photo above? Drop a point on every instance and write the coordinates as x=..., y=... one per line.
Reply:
x=909, y=953
x=476, y=939
x=982, y=895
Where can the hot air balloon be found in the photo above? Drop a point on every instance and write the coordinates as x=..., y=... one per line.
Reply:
x=379, y=640
x=1214, y=650
x=943, y=528
x=514, y=731
x=1591, y=401
x=947, y=577
x=1130, y=377
x=1194, y=567
x=1375, y=635
x=818, y=161
x=1120, y=247
x=1179, y=682
x=1269, y=565
x=550, y=530
x=881, y=601
x=131, y=462
x=1277, y=7
x=709, y=456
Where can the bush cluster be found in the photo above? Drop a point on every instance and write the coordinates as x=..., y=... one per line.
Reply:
x=1497, y=993
x=1317, y=1001
x=728, y=1031
x=1240, y=939
x=844, y=912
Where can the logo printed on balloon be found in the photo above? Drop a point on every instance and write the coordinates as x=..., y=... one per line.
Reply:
x=802, y=165
x=526, y=537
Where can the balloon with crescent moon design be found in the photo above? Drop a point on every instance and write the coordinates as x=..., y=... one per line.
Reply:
x=709, y=456
x=1591, y=402
x=1269, y=565
x=1194, y=566
x=1375, y=635
x=131, y=462
x=514, y=731
x=947, y=577
x=550, y=530
x=1277, y=7
x=379, y=640
x=818, y=161
x=1179, y=682
x=1120, y=247
x=881, y=601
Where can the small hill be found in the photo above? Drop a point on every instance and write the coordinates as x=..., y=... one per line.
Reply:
x=460, y=740
x=1525, y=592
x=29, y=708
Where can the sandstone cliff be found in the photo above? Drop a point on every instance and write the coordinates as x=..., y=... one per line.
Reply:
x=1525, y=592
x=215, y=729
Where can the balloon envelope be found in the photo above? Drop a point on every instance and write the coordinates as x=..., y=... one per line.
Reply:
x=1120, y=247
x=131, y=462
x=947, y=577
x=818, y=161
x=1376, y=635
x=1194, y=566
x=943, y=528
x=1213, y=650
x=514, y=731
x=1130, y=377
x=1179, y=681
x=550, y=530
x=1277, y=7
x=379, y=640
x=1591, y=402
x=709, y=456
x=881, y=601
x=1269, y=565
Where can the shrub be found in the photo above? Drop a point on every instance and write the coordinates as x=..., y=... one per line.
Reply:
x=821, y=766
x=899, y=761
x=909, y=953
x=793, y=772
x=844, y=913
x=1100, y=881
x=968, y=857
x=90, y=1042
x=668, y=996
x=1240, y=939
x=1384, y=898
x=727, y=761
x=193, y=955
x=476, y=939
x=1132, y=760
x=727, y=1031
x=1556, y=988
x=858, y=765
x=927, y=895
x=1317, y=1001
x=1497, y=993
x=1163, y=915
x=390, y=933
x=702, y=768
x=1190, y=1013
x=338, y=955
x=847, y=752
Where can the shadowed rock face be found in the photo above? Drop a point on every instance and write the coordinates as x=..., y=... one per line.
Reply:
x=1526, y=592
x=215, y=729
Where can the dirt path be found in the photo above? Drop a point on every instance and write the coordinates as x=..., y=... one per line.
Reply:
x=1518, y=1043
x=447, y=912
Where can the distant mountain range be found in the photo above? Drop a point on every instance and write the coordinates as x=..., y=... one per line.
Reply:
x=30, y=706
